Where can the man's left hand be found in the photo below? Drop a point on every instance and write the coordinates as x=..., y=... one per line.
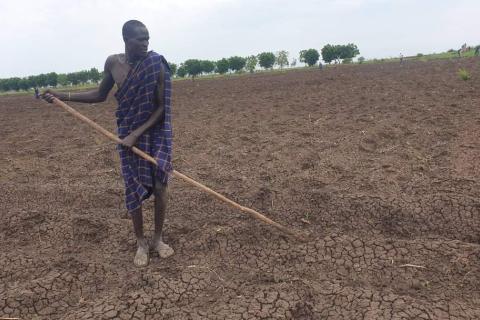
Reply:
x=130, y=140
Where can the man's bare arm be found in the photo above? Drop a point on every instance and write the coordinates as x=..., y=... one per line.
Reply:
x=156, y=116
x=97, y=95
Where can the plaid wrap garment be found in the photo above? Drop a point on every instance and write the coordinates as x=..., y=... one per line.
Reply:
x=135, y=106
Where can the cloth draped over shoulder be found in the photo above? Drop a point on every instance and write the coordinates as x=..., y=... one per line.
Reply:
x=136, y=103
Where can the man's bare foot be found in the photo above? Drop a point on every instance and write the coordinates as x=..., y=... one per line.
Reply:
x=141, y=257
x=163, y=249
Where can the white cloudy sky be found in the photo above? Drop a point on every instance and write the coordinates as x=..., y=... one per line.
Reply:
x=64, y=36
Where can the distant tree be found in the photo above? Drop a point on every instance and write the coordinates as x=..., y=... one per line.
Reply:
x=282, y=58
x=348, y=51
x=173, y=68
x=193, y=67
x=3, y=85
x=181, y=72
x=72, y=78
x=51, y=79
x=94, y=75
x=361, y=60
x=309, y=56
x=32, y=81
x=293, y=63
x=62, y=79
x=222, y=66
x=236, y=63
x=266, y=60
x=251, y=63
x=207, y=66
x=23, y=84
x=14, y=83
x=83, y=76
x=330, y=53
x=302, y=56
x=41, y=80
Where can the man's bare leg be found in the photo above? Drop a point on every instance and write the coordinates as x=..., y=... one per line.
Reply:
x=161, y=200
x=141, y=257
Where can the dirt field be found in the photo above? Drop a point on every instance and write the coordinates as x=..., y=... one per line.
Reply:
x=380, y=163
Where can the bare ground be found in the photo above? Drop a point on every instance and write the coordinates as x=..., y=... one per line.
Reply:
x=379, y=163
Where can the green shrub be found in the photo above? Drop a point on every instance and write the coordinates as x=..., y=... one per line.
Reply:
x=419, y=55
x=463, y=74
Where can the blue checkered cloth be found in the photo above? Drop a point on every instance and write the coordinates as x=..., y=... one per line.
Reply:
x=135, y=106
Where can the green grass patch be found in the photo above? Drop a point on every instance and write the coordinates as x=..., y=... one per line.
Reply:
x=464, y=74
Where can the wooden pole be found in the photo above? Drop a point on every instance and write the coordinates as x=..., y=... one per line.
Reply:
x=253, y=213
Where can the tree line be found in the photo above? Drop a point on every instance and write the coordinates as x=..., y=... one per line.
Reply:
x=196, y=67
x=51, y=79
x=266, y=60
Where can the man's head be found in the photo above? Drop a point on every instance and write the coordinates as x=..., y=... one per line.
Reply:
x=135, y=36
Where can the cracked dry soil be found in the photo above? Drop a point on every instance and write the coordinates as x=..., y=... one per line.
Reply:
x=379, y=163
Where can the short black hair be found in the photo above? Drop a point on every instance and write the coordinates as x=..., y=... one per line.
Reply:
x=128, y=27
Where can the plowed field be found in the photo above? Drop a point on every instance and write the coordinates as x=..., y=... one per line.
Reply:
x=379, y=163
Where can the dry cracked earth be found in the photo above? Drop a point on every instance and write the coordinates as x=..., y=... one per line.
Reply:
x=378, y=164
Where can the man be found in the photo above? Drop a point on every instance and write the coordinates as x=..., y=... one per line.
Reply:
x=143, y=118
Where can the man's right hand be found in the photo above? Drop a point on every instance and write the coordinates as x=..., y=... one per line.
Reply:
x=48, y=95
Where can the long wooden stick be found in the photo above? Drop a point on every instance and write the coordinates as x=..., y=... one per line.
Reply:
x=177, y=174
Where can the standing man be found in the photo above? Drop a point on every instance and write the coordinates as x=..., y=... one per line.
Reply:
x=143, y=119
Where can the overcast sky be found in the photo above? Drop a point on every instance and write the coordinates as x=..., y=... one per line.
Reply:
x=65, y=36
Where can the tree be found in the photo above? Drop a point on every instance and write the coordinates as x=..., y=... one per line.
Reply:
x=94, y=75
x=266, y=60
x=72, y=78
x=181, y=72
x=3, y=85
x=309, y=56
x=330, y=53
x=173, y=68
x=348, y=51
x=361, y=60
x=293, y=63
x=51, y=79
x=236, y=63
x=41, y=80
x=62, y=79
x=83, y=76
x=251, y=63
x=32, y=81
x=222, y=66
x=193, y=67
x=207, y=66
x=23, y=84
x=282, y=58
x=14, y=83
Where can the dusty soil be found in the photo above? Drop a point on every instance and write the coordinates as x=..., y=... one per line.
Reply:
x=379, y=163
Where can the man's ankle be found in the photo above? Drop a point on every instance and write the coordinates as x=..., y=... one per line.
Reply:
x=157, y=238
x=142, y=242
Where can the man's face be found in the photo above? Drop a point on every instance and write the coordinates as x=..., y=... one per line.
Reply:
x=137, y=43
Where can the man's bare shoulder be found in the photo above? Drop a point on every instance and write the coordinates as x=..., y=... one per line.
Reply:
x=114, y=60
